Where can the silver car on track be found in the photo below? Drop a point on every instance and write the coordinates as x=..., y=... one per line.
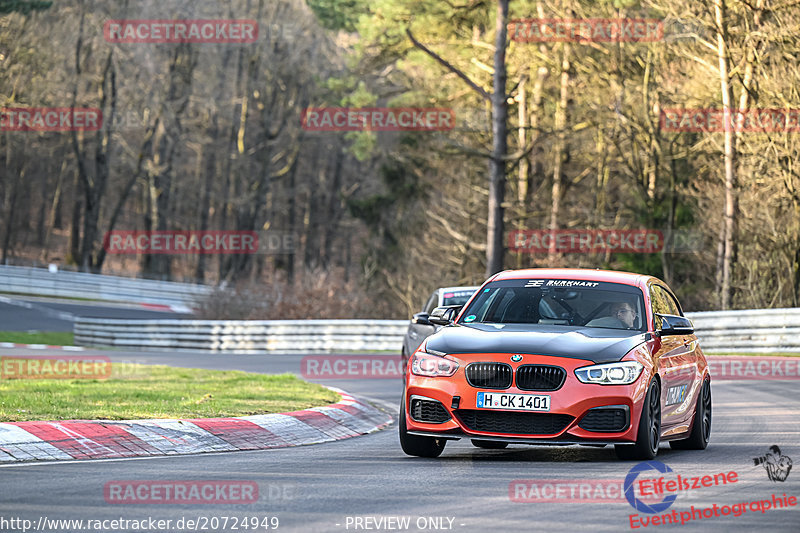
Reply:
x=421, y=327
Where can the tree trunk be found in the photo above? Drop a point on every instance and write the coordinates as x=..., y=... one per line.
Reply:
x=206, y=163
x=54, y=220
x=523, y=178
x=94, y=182
x=727, y=242
x=560, y=149
x=669, y=234
x=232, y=161
x=126, y=190
x=11, y=214
x=75, y=223
x=536, y=166
x=332, y=215
x=312, y=252
x=291, y=214
x=497, y=167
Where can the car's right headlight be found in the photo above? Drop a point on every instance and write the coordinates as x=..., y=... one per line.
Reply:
x=622, y=373
x=429, y=365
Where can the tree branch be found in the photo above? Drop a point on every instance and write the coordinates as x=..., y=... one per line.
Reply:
x=455, y=234
x=448, y=66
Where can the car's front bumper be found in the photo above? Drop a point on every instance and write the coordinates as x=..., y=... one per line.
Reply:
x=559, y=426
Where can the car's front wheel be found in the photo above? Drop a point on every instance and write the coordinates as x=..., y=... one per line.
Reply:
x=404, y=360
x=701, y=427
x=649, y=435
x=417, y=445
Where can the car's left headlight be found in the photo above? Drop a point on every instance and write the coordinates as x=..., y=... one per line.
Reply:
x=429, y=365
x=622, y=373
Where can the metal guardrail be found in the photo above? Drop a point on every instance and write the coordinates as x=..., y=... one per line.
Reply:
x=764, y=330
x=243, y=336
x=755, y=330
x=42, y=282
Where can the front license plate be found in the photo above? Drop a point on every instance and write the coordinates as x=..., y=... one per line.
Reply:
x=521, y=402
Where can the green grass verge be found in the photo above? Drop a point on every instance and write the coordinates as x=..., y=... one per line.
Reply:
x=54, y=338
x=144, y=391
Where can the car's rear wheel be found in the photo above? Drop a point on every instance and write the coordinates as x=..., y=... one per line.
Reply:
x=648, y=437
x=701, y=427
x=489, y=444
x=417, y=445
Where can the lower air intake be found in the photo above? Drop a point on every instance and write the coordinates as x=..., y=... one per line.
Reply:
x=428, y=411
x=513, y=423
x=607, y=420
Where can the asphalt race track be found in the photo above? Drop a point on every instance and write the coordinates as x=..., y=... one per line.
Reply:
x=18, y=313
x=368, y=484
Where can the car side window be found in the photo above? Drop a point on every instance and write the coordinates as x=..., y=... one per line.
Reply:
x=669, y=301
x=498, y=308
x=484, y=303
x=673, y=302
x=659, y=304
x=432, y=301
x=663, y=302
x=488, y=310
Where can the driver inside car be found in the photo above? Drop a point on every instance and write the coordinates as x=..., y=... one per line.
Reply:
x=622, y=315
x=624, y=312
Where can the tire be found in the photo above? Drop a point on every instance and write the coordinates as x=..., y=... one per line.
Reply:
x=701, y=425
x=648, y=436
x=417, y=445
x=404, y=359
x=489, y=444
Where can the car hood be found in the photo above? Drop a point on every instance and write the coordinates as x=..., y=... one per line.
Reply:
x=600, y=345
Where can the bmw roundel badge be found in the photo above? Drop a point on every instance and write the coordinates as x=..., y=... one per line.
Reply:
x=516, y=358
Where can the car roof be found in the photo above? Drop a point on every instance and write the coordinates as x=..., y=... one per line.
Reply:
x=454, y=289
x=612, y=276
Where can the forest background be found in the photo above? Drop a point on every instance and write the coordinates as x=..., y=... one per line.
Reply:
x=549, y=135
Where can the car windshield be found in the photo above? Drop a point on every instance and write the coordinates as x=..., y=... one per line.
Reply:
x=557, y=302
x=457, y=297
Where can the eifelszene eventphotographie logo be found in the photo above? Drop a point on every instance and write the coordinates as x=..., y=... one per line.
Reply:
x=637, y=503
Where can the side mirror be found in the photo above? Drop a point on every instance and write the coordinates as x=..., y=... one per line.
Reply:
x=675, y=325
x=443, y=316
x=423, y=319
